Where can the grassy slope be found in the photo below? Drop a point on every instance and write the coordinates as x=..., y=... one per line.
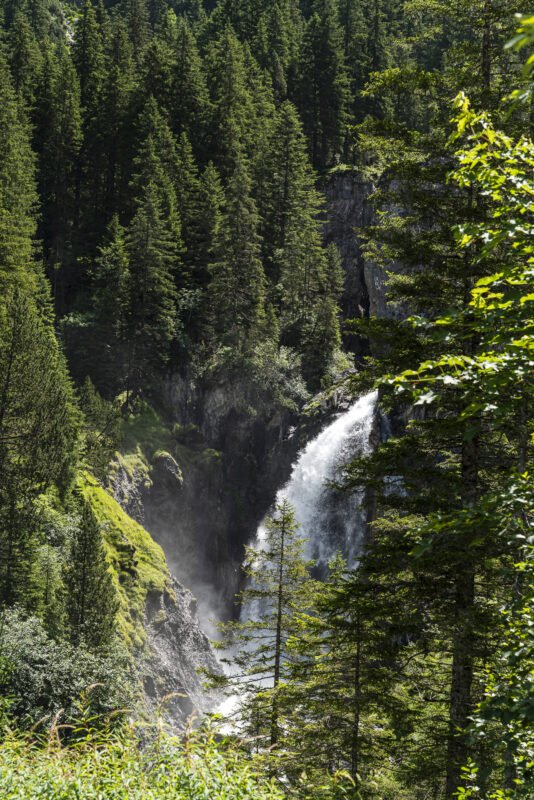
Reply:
x=138, y=563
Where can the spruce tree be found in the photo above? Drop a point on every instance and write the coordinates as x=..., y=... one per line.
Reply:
x=137, y=19
x=90, y=598
x=190, y=109
x=152, y=256
x=279, y=589
x=205, y=231
x=25, y=59
x=58, y=138
x=236, y=292
x=38, y=434
x=322, y=94
x=17, y=194
x=231, y=103
x=104, y=352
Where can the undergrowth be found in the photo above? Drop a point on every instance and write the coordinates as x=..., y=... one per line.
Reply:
x=122, y=766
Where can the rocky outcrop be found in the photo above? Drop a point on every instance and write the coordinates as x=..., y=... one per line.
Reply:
x=348, y=212
x=177, y=650
x=157, y=617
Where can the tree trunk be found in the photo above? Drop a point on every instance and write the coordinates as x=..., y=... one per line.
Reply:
x=278, y=641
x=462, y=644
x=355, y=748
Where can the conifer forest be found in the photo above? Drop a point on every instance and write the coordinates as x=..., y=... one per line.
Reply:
x=266, y=400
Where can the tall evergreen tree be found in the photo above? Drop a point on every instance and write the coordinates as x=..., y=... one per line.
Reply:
x=278, y=590
x=17, y=194
x=236, y=291
x=232, y=103
x=58, y=139
x=137, y=19
x=91, y=604
x=322, y=93
x=38, y=434
x=152, y=255
x=190, y=110
x=24, y=59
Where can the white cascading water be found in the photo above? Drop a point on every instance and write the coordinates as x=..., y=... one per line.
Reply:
x=330, y=521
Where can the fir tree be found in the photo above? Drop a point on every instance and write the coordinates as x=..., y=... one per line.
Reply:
x=152, y=255
x=90, y=598
x=322, y=93
x=278, y=591
x=137, y=19
x=190, y=109
x=58, y=138
x=232, y=103
x=38, y=435
x=237, y=287
x=17, y=194
x=24, y=60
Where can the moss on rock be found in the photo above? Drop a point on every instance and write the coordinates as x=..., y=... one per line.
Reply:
x=137, y=562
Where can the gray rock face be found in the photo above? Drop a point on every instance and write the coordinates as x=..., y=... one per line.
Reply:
x=178, y=647
x=348, y=211
x=129, y=490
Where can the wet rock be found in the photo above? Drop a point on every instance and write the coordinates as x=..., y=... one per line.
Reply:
x=177, y=648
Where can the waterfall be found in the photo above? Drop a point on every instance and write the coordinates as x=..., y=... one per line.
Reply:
x=330, y=521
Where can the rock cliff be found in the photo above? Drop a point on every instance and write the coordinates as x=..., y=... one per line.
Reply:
x=348, y=212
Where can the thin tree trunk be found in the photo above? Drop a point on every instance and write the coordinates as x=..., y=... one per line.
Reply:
x=355, y=749
x=278, y=642
x=486, y=48
x=462, y=645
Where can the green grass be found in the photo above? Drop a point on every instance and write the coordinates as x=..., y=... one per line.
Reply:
x=117, y=769
x=138, y=563
x=146, y=436
x=146, y=429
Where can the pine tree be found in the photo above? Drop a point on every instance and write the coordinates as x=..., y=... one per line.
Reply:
x=232, y=103
x=307, y=280
x=152, y=254
x=236, y=292
x=339, y=688
x=115, y=122
x=187, y=189
x=98, y=336
x=38, y=434
x=137, y=19
x=58, y=139
x=24, y=59
x=322, y=93
x=90, y=598
x=17, y=194
x=279, y=589
x=190, y=110
x=205, y=231
x=355, y=31
x=90, y=62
